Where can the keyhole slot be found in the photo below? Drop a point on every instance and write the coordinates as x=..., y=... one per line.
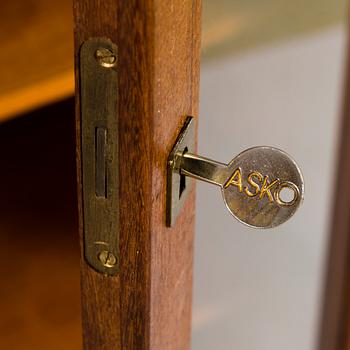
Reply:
x=182, y=178
x=100, y=162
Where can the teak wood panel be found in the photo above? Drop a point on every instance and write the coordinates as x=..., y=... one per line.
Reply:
x=148, y=304
x=36, y=66
x=335, y=320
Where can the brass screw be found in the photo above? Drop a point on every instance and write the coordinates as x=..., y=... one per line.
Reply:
x=105, y=57
x=107, y=258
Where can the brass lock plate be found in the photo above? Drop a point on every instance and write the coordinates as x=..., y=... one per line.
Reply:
x=99, y=147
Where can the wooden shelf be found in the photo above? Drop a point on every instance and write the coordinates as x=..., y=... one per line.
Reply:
x=39, y=251
x=36, y=61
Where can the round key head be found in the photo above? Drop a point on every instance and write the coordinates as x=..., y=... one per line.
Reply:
x=264, y=187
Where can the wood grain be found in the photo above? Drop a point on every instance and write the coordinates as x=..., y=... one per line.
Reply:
x=335, y=321
x=148, y=305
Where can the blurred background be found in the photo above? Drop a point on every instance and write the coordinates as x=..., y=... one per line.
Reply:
x=276, y=67
x=272, y=74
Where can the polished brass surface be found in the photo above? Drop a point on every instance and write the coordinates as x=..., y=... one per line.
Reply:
x=253, y=196
x=262, y=187
x=99, y=120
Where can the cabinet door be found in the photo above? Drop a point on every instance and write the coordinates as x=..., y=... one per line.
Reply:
x=147, y=303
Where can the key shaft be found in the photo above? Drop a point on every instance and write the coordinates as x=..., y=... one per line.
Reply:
x=203, y=169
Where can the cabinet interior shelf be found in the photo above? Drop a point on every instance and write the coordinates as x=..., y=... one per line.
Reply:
x=36, y=61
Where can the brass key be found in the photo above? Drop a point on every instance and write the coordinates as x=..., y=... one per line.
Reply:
x=253, y=184
x=262, y=187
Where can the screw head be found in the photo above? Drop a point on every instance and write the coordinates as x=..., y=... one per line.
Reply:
x=107, y=258
x=105, y=57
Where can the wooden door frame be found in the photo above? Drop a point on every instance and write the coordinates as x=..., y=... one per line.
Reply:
x=335, y=315
x=147, y=305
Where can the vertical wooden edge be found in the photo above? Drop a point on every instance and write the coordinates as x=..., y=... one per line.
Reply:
x=177, y=33
x=148, y=304
x=136, y=100
x=335, y=313
x=99, y=293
